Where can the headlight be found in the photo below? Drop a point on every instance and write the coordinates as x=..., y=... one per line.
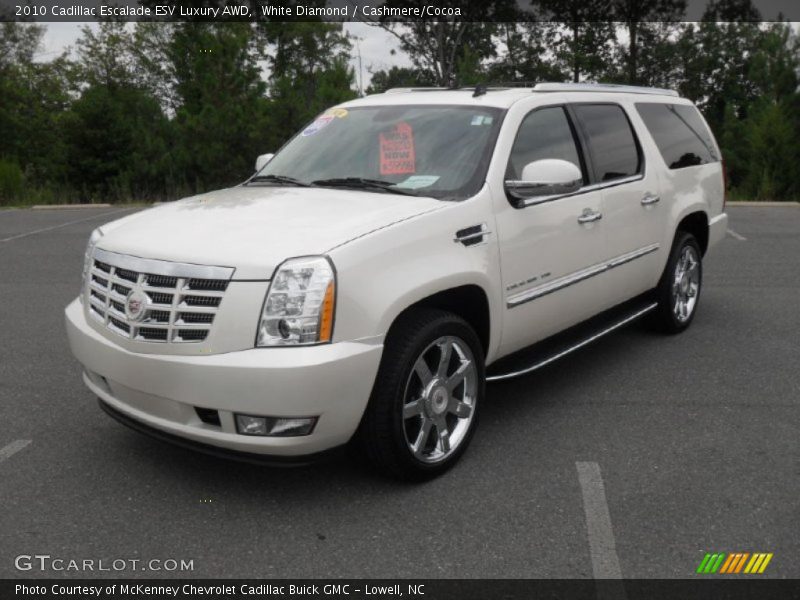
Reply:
x=300, y=302
x=87, y=257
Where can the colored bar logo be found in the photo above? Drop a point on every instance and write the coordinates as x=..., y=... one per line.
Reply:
x=734, y=563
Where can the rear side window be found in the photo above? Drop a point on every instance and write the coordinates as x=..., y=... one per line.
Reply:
x=544, y=133
x=613, y=147
x=680, y=134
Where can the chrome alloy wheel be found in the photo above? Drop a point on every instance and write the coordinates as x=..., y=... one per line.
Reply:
x=686, y=284
x=439, y=400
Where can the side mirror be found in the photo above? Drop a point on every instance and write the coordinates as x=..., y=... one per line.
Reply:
x=547, y=177
x=262, y=161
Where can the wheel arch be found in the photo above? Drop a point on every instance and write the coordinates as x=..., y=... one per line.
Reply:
x=696, y=223
x=468, y=301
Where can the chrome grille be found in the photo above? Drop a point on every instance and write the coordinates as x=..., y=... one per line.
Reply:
x=182, y=299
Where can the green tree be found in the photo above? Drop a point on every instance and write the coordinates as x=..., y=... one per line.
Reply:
x=730, y=135
x=715, y=55
x=117, y=142
x=309, y=71
x=581, y=36
x=106, y=55
x=220, y=114
x=772, y=170
x=33, y=97
x=116, y=133
x=527, y=54
x=444, y=49
x=743, y=76
x=397, y=77
x=649, y=26
x=19, y=43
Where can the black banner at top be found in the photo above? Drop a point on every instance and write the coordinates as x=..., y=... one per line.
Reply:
x=398, y=10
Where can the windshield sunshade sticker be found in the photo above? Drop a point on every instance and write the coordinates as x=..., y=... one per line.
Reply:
x=319, y=123
x=397, y=150
x=418, y=181
x=339, y=113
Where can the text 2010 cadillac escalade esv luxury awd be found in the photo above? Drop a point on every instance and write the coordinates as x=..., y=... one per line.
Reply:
x=357, y=287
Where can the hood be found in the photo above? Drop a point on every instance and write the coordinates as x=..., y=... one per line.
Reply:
x=255, y=228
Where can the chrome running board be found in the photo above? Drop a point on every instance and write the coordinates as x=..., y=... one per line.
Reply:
x=569, y=350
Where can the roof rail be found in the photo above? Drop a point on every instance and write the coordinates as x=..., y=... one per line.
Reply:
x=548, y=87
x=464, y=88
x=401, y=90
x=602, y=87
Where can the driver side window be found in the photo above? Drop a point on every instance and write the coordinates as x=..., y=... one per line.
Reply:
x=544, y=133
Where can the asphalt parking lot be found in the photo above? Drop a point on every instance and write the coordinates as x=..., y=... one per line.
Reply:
x=640, y=453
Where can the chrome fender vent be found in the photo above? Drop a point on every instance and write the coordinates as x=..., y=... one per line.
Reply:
x=473, y=235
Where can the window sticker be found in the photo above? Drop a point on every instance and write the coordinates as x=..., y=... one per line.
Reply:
x=324, y=120
x=319, y=123
x=397, y=150
x=418, y=181
x=481, y=120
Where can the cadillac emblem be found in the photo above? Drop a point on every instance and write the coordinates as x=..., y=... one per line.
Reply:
x=136, y=305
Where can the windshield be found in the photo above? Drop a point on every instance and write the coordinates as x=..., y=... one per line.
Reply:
x=439, y=151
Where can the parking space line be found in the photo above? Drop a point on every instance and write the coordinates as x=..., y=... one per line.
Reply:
x=14, y=447
x=43, y=229
x=605, y=563
x=738, y=236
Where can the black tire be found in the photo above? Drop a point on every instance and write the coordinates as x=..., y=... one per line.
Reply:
x=383, y=435
x=667, y=318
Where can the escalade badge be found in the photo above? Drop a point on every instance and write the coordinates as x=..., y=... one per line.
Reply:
x=136, y=305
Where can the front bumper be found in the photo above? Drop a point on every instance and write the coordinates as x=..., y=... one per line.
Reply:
x=161, y=392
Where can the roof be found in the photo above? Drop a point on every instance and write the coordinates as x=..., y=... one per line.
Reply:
x=500, y=97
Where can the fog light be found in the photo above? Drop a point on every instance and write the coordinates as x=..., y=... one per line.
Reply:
x=248, y=425
x=287, y=427
x=275, y=426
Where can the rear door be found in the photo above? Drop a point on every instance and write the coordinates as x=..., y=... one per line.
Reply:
x=633, y=213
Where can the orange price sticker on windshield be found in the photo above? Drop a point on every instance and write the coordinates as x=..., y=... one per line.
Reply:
x=397, y=150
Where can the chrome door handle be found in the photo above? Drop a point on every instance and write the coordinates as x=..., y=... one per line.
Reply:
x=650, y=199
x=589, y=216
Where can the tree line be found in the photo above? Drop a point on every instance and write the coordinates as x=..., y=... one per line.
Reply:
x=156, y=111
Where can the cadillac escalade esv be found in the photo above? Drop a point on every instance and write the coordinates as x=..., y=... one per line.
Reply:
x=364, y=284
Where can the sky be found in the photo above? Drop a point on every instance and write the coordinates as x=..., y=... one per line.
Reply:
x=375, y=45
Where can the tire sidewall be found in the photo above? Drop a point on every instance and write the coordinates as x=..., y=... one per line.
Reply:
x=446, y=324
x=682, y=241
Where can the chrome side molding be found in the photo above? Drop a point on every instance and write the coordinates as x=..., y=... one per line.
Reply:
x=587, y=188
x=578, y=276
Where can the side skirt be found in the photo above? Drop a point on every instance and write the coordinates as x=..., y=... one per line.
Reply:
x=562, y=344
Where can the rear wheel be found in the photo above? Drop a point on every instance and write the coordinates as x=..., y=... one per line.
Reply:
x=424, y=405
x=678, y=292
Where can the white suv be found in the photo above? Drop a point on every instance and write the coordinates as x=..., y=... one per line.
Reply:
x=360, y=284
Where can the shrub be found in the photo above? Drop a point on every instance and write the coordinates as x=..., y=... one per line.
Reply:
x=12, y=182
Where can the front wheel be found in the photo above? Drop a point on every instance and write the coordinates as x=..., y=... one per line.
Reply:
x=424, y=405
x=678, y=292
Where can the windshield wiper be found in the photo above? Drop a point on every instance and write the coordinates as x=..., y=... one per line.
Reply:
x=279, y=179
x=363, y=183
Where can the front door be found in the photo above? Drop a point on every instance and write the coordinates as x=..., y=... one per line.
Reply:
x=549, y=246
